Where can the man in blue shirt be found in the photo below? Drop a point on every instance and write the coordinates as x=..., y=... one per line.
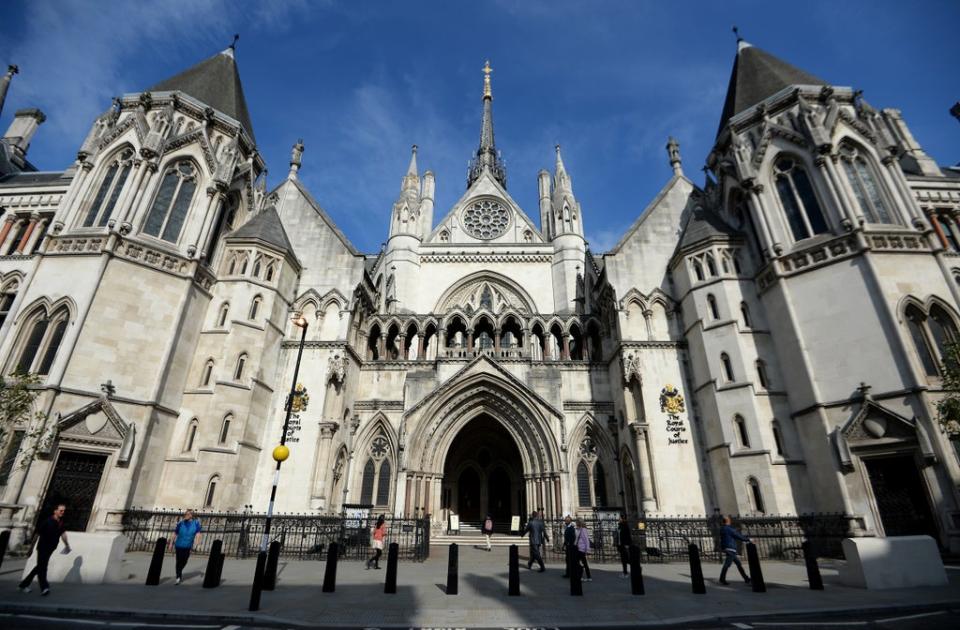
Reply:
x=728, y=543
x=186, y=532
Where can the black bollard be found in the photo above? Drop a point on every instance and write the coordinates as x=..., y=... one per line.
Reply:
x=696, y=571
x=211, y=578
x=636, y=572
x=513, y=582
x=257, y=588
x=813, y=570
x=330, y=575
x=391, y=584
x=156, y=563
x=270, y=574
x=4, y=541
x=453, y=568
x=573, y=567
x=756, y=573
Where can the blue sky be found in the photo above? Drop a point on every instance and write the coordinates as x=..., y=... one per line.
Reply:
x=362, y=81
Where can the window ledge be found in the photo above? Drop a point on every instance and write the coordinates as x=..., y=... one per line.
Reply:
x=234, y=384
x=748, y=452
x=734, y=385
x=199, y=392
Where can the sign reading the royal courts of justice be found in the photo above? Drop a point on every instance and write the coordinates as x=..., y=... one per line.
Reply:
x=671, y=403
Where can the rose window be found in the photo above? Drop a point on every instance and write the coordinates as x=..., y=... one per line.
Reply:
x=379, y=446
x=485, y=219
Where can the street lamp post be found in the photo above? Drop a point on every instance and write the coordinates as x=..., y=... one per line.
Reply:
x=280, y=454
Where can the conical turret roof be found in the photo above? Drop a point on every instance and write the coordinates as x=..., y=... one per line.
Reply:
x=266, y=227
x=756, y=76
x=216, y=82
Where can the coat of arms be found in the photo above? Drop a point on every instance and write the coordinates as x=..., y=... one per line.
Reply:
x=671, y=401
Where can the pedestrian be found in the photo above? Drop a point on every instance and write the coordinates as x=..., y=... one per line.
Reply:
x=583, y=548
x=49, y=533
x=624, y=540
x=186, y=533
x=487, y=530
x=379, y=533
x=537, y=532
x=569, y=542
x=728, y=542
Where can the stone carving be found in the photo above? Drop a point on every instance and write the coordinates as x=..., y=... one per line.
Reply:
x=671, y=401
x=631, y=367
x=336, y=368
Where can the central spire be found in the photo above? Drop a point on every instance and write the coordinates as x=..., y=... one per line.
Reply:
x=487, y=157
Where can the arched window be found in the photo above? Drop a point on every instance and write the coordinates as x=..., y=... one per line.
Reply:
x=756, y=499
x=255, y=307
x=711, y=266
x=943, y=330
x=58, y=327
x=583, y=483
x=244, y=263
x=697, y=269
x=207, y=373
x=712, y=307
x=211, y=491
x=599, y=485
x=366, y=489
x=865, y=187
x=110, y=188
x=271, y=269
x=232, y=265
x=762, y=374
x=6, y=300
x=225, y=221
x=798, y=199
x=383, y=483
x=256, y=267
x=741, y=427
x=241, y=364
x=224, y=311
x=777, y=438
x=191, y=436
x=915, y=319
x=170, y=206
x=736, y=263
x=225, y=429
x=42, y=342
x=727, y=367
x=745, y=314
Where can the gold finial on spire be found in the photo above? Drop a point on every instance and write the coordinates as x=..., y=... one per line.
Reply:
x=487, y=92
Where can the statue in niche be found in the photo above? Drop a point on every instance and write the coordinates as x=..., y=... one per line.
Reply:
x=486, y=299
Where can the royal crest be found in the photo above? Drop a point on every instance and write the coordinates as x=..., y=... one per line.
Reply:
x=671, y=401
x=300, y=399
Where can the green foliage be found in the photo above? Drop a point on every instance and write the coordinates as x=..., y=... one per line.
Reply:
x=948, y=408
x=18, y=394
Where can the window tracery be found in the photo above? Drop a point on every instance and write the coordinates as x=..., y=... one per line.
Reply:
x=110, y=188
x=170, y=206
x=798, y=199
x=485, y=219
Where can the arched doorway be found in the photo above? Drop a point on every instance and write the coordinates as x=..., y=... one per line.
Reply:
x=483, y=474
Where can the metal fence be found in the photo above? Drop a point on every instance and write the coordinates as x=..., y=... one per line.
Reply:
x=667, y=539
x=302, y=536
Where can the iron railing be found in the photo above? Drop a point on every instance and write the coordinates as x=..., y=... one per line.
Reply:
x=667, y=538
x=302, y=536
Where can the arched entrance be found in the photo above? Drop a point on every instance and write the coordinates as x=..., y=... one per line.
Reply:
x=483, y=474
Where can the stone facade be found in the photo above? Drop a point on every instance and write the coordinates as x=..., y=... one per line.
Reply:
x=769, y=342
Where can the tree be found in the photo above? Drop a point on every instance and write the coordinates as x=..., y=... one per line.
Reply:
x=18, y=395
x=948, y=407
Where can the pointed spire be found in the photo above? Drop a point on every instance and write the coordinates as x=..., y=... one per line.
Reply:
x=5, y=83
x=412, y=169
x=411, y=181
x=487, y=156
x=562, y=182
x=296, y=159
x=673, y=150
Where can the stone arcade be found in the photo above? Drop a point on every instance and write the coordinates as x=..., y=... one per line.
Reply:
x=769, y=342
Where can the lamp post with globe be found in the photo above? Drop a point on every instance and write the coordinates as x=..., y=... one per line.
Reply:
x=296, y=401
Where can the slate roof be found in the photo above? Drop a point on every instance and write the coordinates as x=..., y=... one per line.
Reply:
x=702, y=225
x=266, y=227
x=35, y=178
x=215, y=82
x=756, y=76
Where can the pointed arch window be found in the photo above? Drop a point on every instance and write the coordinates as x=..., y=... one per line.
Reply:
x=943, y=330
x=191, y=436
x=727, y=367
x=745, y=314
x=915, y=320
x=255, y=307
x=211, y=491
x=241, y=364
x=256, y=267
x=777, y=438
x=762, y=374
x=59, y=327
x=42, y=342
x=207, y=373
x=599, y=485
x=712, y=307
x=228, y=215
x=366, y=487
x=6, y=300
x=711, y=266
x=697, y=270
x=756, y=497
x=110, y=188
x=583, y=484
x=170, y=206
x=271, y=270
x=383, y=483
x=798, y=199
x=222, y=318
x=225, y=428
x=866, y=189
x=741, y=427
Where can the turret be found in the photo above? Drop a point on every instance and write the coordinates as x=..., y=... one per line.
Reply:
x=410, y=222
x=546, y=206
x=566, y=233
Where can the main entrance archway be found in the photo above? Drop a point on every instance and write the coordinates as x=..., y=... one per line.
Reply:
x=483, y=474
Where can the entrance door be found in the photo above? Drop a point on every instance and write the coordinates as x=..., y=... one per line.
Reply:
x=901, y=497
x=499, y=498
x=468, y=496
x=75, y=481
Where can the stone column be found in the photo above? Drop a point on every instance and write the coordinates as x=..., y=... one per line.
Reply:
x=321, y=474
x=33, y=243
x=408, y=497
x=383, y=346
x=565, y=352
x=557, y=496
x=26, y=235
x=496, y=341
x=470, y=340
x=5, y=231
x=402, y=337
x=420, y=356
x=648, y=502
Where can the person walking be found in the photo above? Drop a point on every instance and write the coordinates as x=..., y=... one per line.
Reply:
x=728, y=542
x=379, y=533
x=624, y=541
x=569, y=542
x=583, y=548
x=186, y=533
x=537, y=532
x=49, y=533
x=487, y=530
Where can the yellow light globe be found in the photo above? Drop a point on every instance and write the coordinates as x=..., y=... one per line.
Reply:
x=281, y=453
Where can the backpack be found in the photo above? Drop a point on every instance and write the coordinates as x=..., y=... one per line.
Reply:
x=583, y=533
x=488, y=525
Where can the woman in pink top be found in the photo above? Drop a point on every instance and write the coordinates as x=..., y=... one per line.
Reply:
x=379, y=532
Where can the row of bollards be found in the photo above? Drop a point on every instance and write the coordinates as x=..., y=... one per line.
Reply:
x=265, y=576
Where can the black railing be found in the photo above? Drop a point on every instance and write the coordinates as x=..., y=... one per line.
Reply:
x=667, y=538
x=302, y=536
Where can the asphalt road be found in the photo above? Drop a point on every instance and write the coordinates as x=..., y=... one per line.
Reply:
x=939, y=619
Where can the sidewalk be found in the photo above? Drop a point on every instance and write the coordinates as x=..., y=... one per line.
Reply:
x=483, y=600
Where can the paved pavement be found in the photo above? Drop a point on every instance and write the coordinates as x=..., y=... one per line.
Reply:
x=421, y=601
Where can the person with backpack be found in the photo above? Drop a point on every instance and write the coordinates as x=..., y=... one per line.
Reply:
x=379, y=533
x=186, y=531
x=487, y=530
x=583, y=548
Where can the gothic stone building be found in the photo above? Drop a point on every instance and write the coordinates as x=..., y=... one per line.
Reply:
x=769, y=342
